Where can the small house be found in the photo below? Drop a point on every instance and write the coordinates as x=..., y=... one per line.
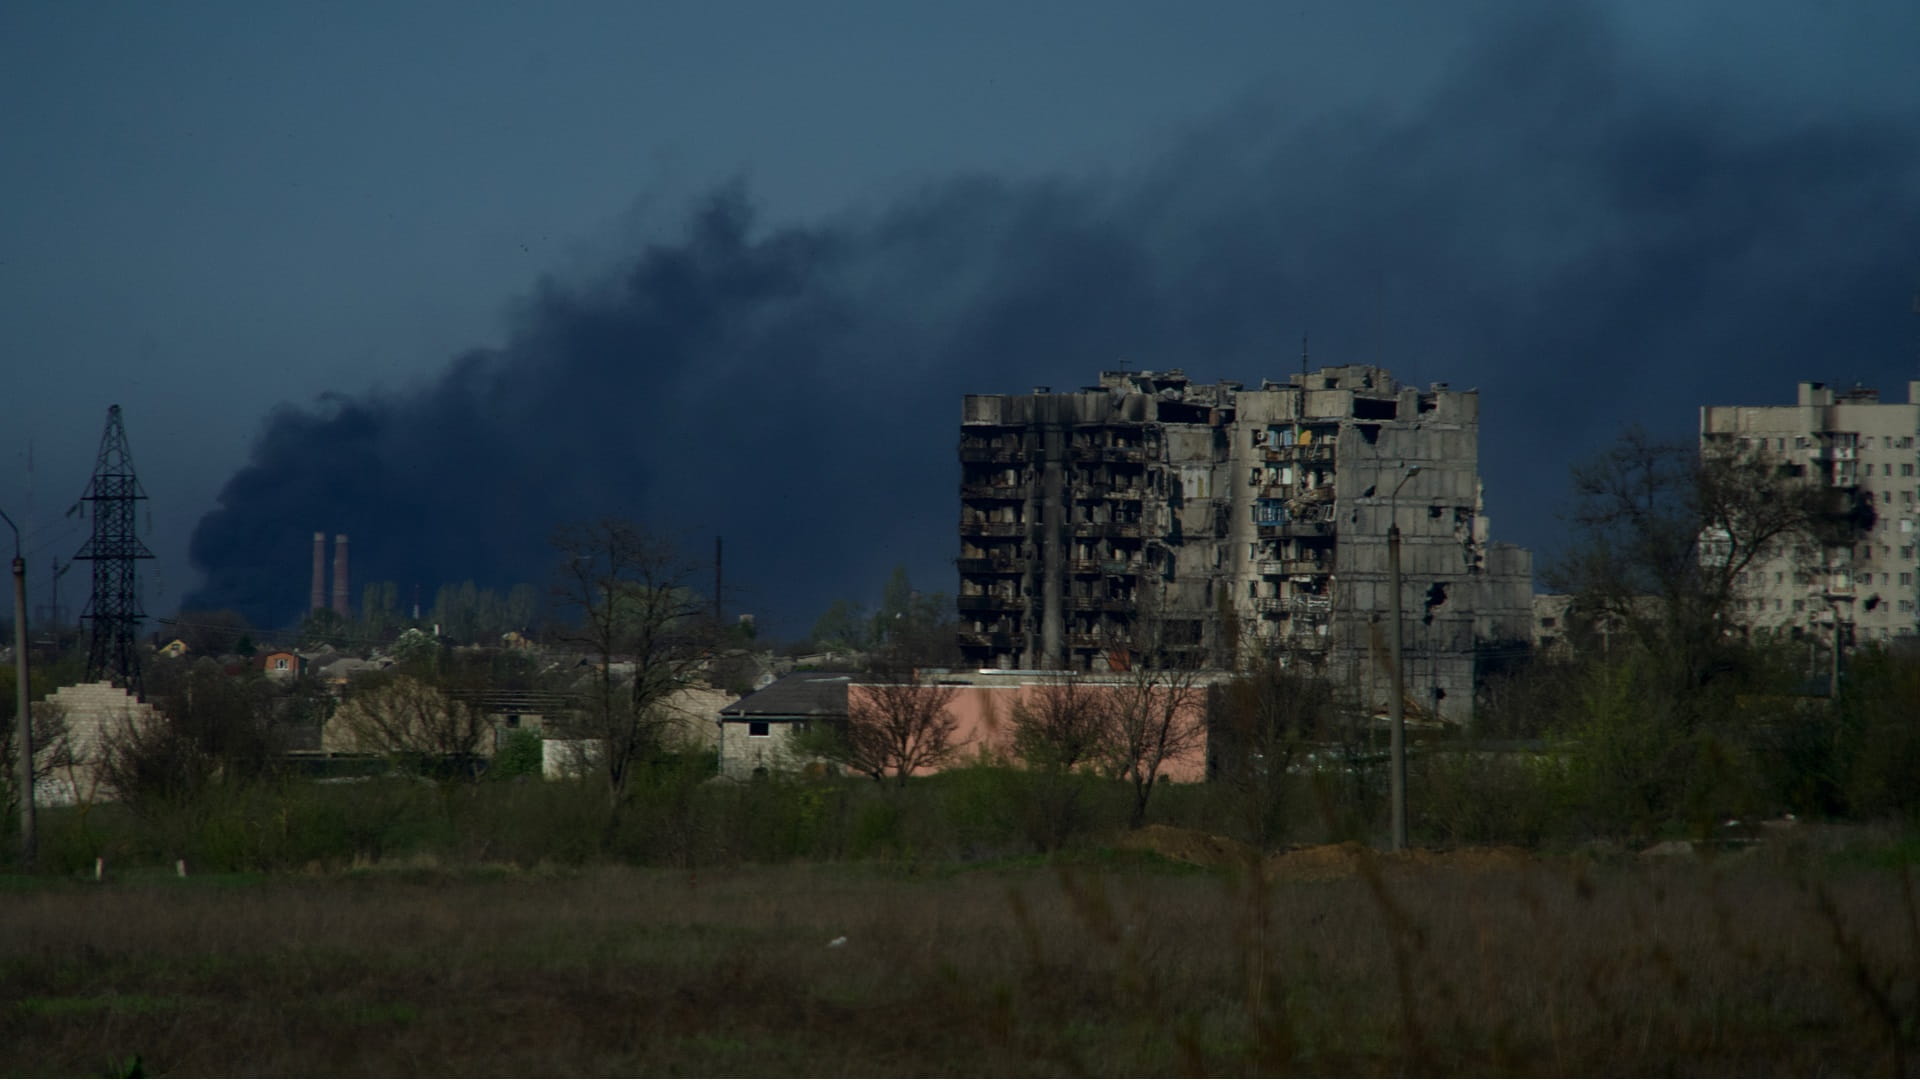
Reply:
x=283, y=665
x=759, y=733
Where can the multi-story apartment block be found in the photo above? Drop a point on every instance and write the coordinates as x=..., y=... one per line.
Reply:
x=1243, y=523
x=1848, y=440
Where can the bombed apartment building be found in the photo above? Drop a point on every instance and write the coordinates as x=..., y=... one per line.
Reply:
x=1217, y=524
x=1847, y=441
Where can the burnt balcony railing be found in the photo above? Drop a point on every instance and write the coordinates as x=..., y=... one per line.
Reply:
x=1294, y=527
x=1113, y=455
x=1293, y=567
x=1304, y=643
x=1310, y=453
x=988, y=639
x=991, y=566
x=1108, y=493
x=992, y=455
x=1118, y=530
x=993, y=491
x=1107, y=567
x=990, y=602
x=993, y=528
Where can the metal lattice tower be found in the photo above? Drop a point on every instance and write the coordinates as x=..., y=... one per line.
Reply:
x=113, y=611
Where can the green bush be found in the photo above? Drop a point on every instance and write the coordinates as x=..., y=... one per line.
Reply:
x=520, y=754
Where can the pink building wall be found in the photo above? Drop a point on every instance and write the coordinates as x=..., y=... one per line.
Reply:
x=985, y=715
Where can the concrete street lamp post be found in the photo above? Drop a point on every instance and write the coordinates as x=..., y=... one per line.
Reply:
x=23, y=717
x=1397, y=709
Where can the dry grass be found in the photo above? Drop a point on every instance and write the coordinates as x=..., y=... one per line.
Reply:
x=1462, y=964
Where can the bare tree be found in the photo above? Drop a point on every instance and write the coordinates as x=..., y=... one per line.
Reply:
x=1266, y=722
x=1062, y=724
x=208, y=728
x=898, y=722
x=51, y=752
x=1059, y=727
x=408, y=719
x=631, y=589
x=1667, y=532
x=1157, y=714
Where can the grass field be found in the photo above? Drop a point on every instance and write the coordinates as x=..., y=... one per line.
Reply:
x=1785, y=960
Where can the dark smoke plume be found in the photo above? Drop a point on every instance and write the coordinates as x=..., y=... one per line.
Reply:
x=1586, y=242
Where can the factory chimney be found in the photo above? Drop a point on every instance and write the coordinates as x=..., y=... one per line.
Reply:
x=340, y=575
x=317, y=598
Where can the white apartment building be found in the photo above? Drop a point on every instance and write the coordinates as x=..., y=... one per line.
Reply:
x=1844, y=439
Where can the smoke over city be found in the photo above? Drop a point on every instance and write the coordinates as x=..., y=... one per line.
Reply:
x=1587, y=242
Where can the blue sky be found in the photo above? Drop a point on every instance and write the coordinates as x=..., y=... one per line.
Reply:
x=212, y=210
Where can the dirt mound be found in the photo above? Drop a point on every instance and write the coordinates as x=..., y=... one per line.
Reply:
x=1473, y=859
x=1324, y=862
x=1321, y=862
x=1329, y=862
x=1190, y=846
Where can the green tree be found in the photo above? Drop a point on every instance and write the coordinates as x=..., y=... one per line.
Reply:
x=843, y=626
x=321, y=628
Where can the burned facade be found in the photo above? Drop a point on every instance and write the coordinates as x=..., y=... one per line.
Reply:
x=1846, y=441
x=1235, y=525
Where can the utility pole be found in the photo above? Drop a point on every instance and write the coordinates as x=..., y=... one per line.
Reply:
x=23, y=715
x=1397, y=708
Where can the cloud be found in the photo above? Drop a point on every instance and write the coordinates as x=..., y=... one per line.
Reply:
x=1588, y=240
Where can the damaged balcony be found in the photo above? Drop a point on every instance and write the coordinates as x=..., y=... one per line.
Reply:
x=1008, y=492
x=1105, y=604
x=1291, y=529
x=1311, y=453
x=1111, y=530
x=1107, y=567
x=992, y=455
x=990, y=602
x=988, y=565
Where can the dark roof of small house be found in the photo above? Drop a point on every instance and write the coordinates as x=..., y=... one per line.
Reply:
x=804, y=693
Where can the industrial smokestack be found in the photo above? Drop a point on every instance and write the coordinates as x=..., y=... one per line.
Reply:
x=317, y=597
x=340, y=575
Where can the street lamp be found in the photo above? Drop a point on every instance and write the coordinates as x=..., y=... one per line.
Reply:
x=23, y=720
x=1397, y=709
